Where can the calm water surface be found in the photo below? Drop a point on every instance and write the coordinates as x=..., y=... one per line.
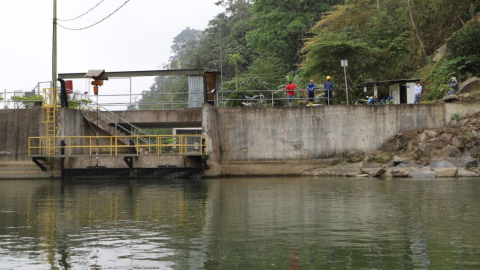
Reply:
x=241, y=223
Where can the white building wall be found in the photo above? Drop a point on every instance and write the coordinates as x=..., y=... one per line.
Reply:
x=395, y=93
x=410, y=92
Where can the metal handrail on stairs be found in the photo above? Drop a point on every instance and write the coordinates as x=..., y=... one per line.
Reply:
x=132, y=126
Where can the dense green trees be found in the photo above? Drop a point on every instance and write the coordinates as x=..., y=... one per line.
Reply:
x=382, y=39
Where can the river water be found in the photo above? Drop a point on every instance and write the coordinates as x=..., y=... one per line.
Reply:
x=241, y=223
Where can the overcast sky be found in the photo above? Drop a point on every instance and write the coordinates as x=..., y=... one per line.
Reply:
x=137, y=37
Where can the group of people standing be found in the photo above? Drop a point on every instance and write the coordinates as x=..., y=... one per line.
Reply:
x=328, y=89
x=453, y=89
x=311, y=87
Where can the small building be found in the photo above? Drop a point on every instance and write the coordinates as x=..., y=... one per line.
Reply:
x=402, y=90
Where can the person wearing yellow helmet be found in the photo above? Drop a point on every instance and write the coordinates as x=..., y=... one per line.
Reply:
x=328, y=88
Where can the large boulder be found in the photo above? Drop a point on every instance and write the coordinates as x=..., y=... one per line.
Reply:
x=470, y=163
x=400, y=172
x=440, y=52
x=444, y=168
x=469, y=85
x=397, y=160
x=450, y=98
x=457, y=142
x=466, y=173
x=452, y=151
x=446, y=137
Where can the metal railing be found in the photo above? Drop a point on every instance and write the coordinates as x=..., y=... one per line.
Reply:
x=75, y=146
x=270, y=98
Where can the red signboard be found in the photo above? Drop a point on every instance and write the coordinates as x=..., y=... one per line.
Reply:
x=69, y=87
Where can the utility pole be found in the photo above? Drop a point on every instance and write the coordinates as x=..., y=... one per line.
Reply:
x=221, y=60
x=54, y=46
x=344, y=64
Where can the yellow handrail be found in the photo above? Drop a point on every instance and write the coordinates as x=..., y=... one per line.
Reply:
x=109, y=145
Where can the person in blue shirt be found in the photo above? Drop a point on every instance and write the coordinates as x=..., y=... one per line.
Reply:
x=328, y=88
x=418, y=92
x=311, y=92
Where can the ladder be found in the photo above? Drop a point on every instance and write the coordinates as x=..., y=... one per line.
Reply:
x=50, y=106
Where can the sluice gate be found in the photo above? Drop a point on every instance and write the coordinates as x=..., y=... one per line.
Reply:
x=135, y=154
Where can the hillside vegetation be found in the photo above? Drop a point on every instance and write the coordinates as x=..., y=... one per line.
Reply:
x=260, y=44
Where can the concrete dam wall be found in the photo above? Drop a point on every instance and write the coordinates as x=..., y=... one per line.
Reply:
x=283, y=141
x=249, y=141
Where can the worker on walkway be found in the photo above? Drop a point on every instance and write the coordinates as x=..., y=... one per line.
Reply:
x=328, y=88
x=418, y=92
x=291, y=92
x=311, y=92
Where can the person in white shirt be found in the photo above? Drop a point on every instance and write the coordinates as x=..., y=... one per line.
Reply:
x=418, y=92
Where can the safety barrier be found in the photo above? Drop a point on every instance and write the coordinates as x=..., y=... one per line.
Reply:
x=71, y=146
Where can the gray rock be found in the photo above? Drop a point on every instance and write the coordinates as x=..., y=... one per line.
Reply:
x=452, y=151
x=470, y=144
x=457, y=142
x=453, y=124
x=450, y=98
x=430, y=133
x=444, y=168
x=446, y=137
x=463, y=122
x=425, y=149
x=466, y=173
x=410, y=146
x=380, y=172
x=422, y=137
x=443, y=164
x=470, y=163
x=400, y=172
x=422, y=174
x=445, y=172
x=397, y=160
x=390, y=164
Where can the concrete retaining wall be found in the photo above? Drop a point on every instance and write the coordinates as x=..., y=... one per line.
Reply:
x=275, y=141
x=15, y=128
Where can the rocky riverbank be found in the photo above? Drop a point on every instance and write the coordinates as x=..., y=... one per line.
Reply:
x=450, y=151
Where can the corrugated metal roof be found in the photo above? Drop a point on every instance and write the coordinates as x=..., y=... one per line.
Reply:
x=387, y=83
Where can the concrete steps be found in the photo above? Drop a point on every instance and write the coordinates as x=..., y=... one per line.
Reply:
x=102, y=123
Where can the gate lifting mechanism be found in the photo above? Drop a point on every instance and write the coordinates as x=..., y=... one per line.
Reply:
x=96, y=75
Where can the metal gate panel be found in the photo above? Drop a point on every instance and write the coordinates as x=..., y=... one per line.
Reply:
x=195, y=91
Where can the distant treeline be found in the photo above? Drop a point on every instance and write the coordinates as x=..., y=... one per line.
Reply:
x=265, y=43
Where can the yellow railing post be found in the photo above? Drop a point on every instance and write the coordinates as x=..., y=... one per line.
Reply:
x=138, y=147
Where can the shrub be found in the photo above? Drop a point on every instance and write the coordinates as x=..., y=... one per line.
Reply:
x=456, y=116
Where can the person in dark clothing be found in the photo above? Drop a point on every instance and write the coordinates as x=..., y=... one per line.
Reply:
x=454, y=86
x=311, y=92
x=328, y=88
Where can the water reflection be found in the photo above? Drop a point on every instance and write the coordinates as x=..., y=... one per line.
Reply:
x=242, y=223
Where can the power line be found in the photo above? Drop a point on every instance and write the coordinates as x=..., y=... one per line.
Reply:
x=82, y=14
x=83, y=28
